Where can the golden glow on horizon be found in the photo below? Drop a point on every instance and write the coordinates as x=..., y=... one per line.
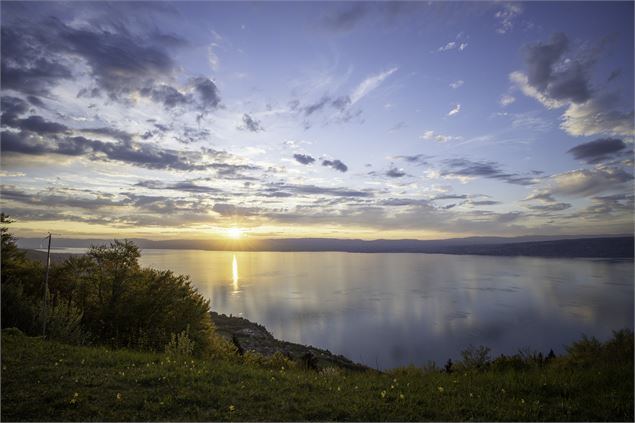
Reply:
x=235, y=274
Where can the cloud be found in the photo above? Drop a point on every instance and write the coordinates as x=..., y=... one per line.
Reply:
x=369, y=84
x=25, y=67
x=317, y=106
x=207, y=92
x=596, y=151
x=39, y=54
x=506, y=17
x=303, y=158
x=463, y=168
x=182, y=186
x=335, y=164
x=598, y=116
x=167, y=95
x=316, y=190
x=345, y=19
x=565, y=80
x=583, y=183
x=250, y=124
x=449, y=46
x=555, y=207
x=450, y=197
x=558, y=81
x=550, y=78
x=522, y=82
x=420, y=159
x=484, y=203
x=452, y=45
x=506, y=100
x=395, y=173
x=614, y=75
x=145, y=155
x=456, y=84
x=433, y=136
x=455, y=110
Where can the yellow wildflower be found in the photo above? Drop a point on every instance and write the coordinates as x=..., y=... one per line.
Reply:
x=119, y=397
x=231, y=407
x=383, y=394
x=440, y=388
x=401, y=396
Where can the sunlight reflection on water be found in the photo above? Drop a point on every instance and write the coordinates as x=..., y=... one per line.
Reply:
x=397, y=309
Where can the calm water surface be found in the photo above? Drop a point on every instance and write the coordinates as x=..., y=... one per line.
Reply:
x=387, y=310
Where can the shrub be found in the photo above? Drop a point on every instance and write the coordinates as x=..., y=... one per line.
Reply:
x=584, y=351
x=63, y=323
x=180, y=345
x=475, y=357
x=19, y=310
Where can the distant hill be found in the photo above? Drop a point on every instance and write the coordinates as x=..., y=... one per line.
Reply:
x=617, y=246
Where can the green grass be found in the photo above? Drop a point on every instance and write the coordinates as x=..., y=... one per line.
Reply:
x=43, y=380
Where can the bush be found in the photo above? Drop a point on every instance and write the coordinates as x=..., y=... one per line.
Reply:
x=180, y=346
x=63, y=323
x=19, y=310
x=475, y=357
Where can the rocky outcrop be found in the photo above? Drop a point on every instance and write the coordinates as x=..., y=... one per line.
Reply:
x=249, y=336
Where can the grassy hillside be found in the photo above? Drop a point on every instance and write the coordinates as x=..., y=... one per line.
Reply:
x=44, y=380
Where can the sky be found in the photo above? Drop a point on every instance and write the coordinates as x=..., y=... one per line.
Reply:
x=390, y=120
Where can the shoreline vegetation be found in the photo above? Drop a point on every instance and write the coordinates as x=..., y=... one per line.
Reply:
x=110, y=340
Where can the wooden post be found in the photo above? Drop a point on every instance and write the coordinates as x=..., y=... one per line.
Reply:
x=46, y=286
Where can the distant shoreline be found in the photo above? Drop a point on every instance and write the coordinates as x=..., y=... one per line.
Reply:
x=617, y=247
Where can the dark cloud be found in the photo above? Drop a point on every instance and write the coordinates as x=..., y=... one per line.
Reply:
x=303, y=158
x=553, y=77
x=614, y=75
x=346, y=18
x=145, y=155
x=36, y=101
x=250, y=124
x=400, y=202
x=169, y=96
x=118, y=62
x=420, y=159
x=38, y=53
x=12, y=108
x=550, y=207
x=225, y=209
x=76, y=198
x=39, y=125
x=395, y=173
x=597, y=150
x=317, y=106
x=468, y=168
x=207, y=92
x=341, y=103
x=451, y=197
x=183, y=186
x=542, y=57
x=484, y=203
x=316, y=190
x=335, y=164
x=25, y=67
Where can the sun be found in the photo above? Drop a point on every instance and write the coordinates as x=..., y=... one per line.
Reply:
x=234, y=233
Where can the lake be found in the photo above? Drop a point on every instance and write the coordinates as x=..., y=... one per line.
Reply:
x=388, y=310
